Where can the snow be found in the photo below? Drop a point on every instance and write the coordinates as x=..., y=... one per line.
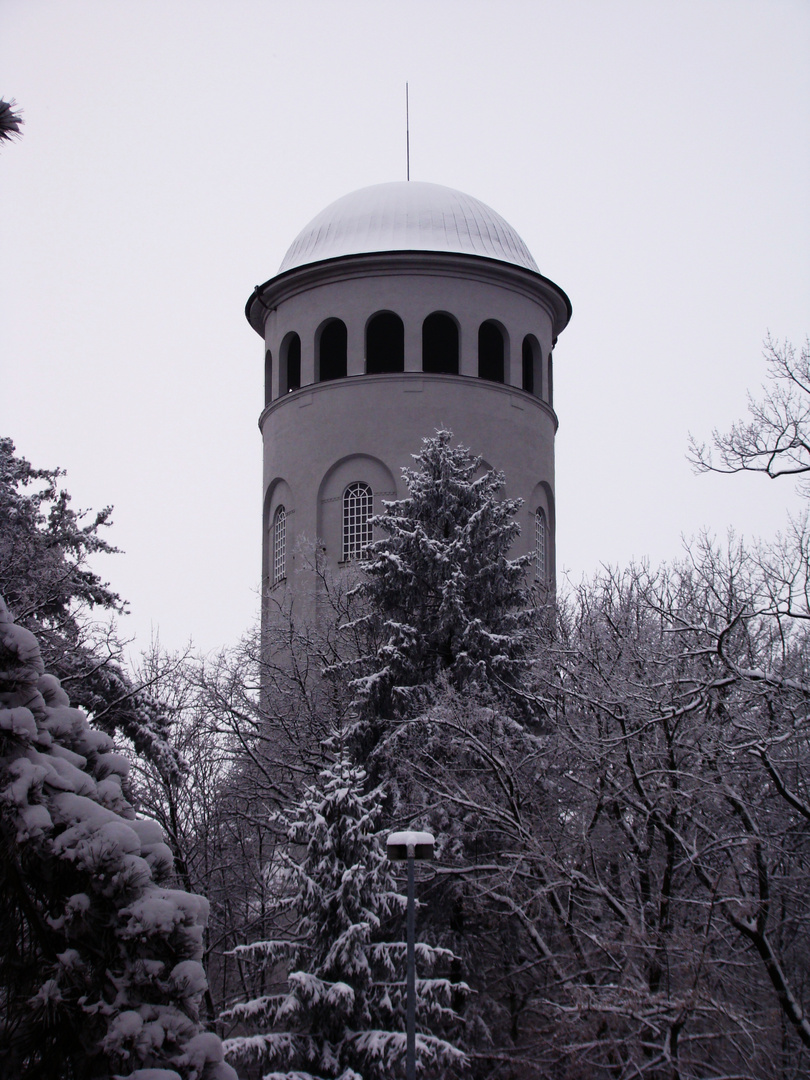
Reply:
x=114, y=763
x=91, y=829
x=19, y=722
x=148, y=832
x=58, y=773
x=204, y=1051
x=51, y=690
x=128, y=1024
x=410, y=839
x=63, y=721
x=33, y=821
x=48, y=994
x=341, y=995
x=334, y=903
x=26, y=777
x=189, y=978
x=95, y=742
x=56, y=750
x=21, y=643
x=63, y=774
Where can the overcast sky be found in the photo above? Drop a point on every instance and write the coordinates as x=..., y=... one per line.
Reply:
x=653, y=155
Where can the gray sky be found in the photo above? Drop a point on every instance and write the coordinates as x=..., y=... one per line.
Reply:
x=653, y=156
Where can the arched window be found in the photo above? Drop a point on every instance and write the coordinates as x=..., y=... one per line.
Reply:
x=550, y=380
x=332, y=351
x=440, y=344
x=279, y=545
x=540, y=546
x=528, y=365
x=268, y=377
x=490, y=352
x=385, y=344
x=290, y=364
x=357, y=501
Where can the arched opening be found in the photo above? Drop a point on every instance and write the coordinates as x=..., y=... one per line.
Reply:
x=268, y=377
x=530, y=353
x=279, y=545
x=540, y=546
x=440, y=344
x=385, y=344
x=332, y=351
x=490, y=352
x=290, y=370
x=550, y=381
x=357, y=503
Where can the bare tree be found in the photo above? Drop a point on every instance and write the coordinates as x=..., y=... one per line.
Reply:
x=632, y=879
x=776, y=439
x=250, y=725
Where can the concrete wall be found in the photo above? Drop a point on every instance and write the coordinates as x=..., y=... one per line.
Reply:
x=321, y=438
x=472, y=291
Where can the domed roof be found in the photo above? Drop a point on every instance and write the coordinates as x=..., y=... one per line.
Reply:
x=407, y=216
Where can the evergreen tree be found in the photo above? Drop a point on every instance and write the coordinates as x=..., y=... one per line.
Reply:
x=99, y=954
x=45, y=548
x=341, y=1011
x=10, y=121
x=450, y=601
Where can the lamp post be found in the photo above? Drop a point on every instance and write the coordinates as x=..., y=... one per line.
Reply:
x=410, y=846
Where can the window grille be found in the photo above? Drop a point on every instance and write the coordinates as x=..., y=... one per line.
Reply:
x=279, y=545
x=540, y=545
x=356, y=525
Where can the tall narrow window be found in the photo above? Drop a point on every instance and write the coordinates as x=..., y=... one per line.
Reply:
x=540, y=542
x=550, y=381
x=528, y=365
x=385, y=344
x=357, y=501
x=440, y=344
x=332, y=351
x=290, y=364
x=490, y=352
x=268, y=377
x=279, y=545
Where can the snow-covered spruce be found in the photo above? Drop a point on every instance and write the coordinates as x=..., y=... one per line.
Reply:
x=100, y=968
x=48, y=586
x=340, y=1011
x=450, y=601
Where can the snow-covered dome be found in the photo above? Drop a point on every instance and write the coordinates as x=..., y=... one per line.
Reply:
x=407, y=216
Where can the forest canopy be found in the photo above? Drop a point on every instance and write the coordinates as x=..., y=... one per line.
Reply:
x=616, y=776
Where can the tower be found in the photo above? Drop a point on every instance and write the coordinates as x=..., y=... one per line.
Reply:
x=399, y=309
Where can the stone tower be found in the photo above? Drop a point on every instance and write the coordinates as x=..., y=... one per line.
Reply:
x=402, y=308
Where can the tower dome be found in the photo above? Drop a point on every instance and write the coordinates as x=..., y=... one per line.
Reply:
x=400, y=309
x=407, y=216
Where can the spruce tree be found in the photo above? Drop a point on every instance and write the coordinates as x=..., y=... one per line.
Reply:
x=340, y=1011
x=47, y=583
x=451, y=604
x=99, y=952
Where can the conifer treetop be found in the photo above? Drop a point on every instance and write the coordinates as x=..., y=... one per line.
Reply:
x=451, y=601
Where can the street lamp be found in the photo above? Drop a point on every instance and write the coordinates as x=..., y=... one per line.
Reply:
x=410, y=846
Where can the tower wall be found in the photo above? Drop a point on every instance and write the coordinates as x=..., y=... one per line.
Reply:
x=325, y=436
x=352, y=385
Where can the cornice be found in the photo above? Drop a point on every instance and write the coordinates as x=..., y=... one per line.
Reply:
x=268, y=296
x=401, y=378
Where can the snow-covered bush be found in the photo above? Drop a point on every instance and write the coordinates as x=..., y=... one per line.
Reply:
x=100, y=968
x=340, y=1009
